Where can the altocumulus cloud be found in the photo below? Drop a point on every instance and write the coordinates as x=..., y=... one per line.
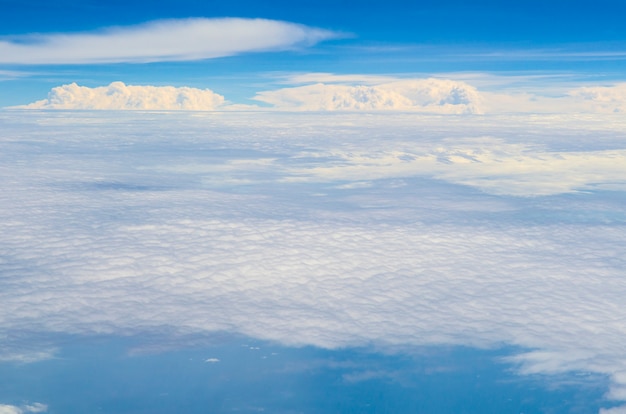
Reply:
x=162, y=40
x=130, y=226
x=118, y=96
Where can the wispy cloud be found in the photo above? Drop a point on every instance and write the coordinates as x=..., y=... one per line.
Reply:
x=12, y=74
x=164, y=40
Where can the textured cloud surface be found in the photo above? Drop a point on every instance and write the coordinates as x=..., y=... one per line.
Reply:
x=165, y=40
x=120, y=96
x=328, y=229
x=425, y=95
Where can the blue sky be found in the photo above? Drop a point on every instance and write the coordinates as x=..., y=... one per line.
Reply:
x=583, y=41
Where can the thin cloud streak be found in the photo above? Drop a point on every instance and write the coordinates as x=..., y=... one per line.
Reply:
x=162, y=41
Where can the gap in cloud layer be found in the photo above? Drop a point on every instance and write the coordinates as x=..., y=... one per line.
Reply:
x=245, y=374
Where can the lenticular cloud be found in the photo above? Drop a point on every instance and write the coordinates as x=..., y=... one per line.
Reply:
x=118, y=96
x=161, y=41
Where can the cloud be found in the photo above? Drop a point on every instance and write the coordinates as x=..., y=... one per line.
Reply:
x=580, y=99
x=29, y=408
x=492, y=165
x=12, y=74
x=608, y=99
x=424, y=95
x=450, y=93
x=355, y=92
x=194, y=223
x=128, y=97
x=159, y=41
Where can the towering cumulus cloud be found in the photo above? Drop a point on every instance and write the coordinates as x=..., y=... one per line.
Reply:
x=426, y=95
x=120, y=96
x=164, y=40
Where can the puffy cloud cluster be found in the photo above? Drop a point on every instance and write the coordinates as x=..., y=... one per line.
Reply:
x=118, y=96
x=164, y=40
x=346, y=93
x=206, y=228
x=424, y=95
x=608, y=99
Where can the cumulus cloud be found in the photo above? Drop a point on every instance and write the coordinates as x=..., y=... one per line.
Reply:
x=195, y=223
x=610, y=99
x=450, y=93
x=164, y=40
x=117, y=96
x=426, y=95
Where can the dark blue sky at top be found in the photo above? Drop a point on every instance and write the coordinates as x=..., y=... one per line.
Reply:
x=532, y=22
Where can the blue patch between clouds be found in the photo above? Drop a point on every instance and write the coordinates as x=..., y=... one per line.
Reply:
x=113, y=375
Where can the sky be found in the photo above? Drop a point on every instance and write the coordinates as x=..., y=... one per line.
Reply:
x=539, y=47
x=354, y=207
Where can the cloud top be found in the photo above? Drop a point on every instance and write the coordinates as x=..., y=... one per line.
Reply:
x=118, y=96
x=348, y=93
x=162, y=40
x=425, y=95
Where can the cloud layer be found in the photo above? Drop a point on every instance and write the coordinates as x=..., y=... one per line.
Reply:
x=158, y=41
x=309, y=229
x=118, y=96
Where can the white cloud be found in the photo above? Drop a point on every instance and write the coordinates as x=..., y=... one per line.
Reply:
x=450, y=93
x=113, y=224
x=9, y=409
x=492, y=165
x=12, y=74
x=29, y=408
x=165, y=40
x=120, y=96
x=424, y=95
x=35, y=408
x=360, y=93
x=609, y=99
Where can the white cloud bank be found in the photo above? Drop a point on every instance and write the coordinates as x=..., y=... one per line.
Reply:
x=116, y=225
x=349, y=93
x=118, y=96
x=164, y=40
